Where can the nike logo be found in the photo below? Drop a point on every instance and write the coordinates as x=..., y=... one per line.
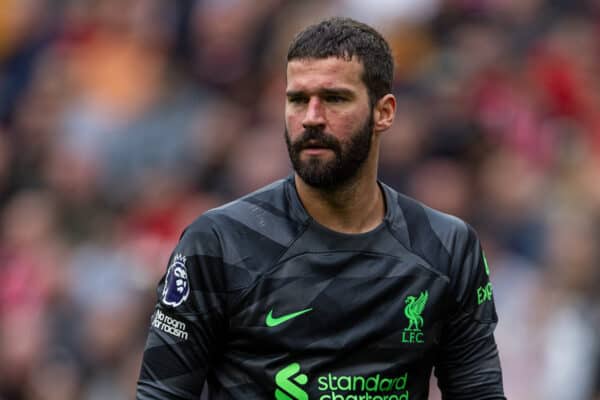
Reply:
x=272, y=321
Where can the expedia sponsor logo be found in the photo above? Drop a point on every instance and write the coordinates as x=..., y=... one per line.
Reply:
x=484, y=293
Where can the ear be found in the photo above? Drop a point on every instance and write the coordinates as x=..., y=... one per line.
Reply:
x=384, y=112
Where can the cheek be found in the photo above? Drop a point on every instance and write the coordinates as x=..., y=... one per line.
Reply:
x=344, y=125
x=293, y=123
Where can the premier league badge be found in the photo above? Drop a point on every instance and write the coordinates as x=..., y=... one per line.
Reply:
x=177, y=286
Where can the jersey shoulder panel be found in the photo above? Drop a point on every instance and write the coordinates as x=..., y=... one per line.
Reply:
x=433, y=235
x=255, y=230
x=450, y=246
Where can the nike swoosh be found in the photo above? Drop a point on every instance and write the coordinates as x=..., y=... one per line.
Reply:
x=272, y=321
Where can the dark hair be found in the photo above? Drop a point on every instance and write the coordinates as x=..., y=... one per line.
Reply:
x=346, y=38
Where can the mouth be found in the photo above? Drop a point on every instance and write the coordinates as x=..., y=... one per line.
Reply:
x=315, y=146
x=315, y=151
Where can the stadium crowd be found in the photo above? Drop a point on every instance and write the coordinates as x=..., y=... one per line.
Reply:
x=122, y=120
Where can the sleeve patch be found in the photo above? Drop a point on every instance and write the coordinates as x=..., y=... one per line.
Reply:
x=177, y=284
x=172, y=326
x=484, y=293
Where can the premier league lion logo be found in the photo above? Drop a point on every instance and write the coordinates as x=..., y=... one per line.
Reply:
x=177, y=286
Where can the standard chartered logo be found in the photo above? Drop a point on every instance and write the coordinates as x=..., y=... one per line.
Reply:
x=341, y=387
x=288, y=389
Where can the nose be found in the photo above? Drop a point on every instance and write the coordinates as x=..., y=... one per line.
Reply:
x=315, y=115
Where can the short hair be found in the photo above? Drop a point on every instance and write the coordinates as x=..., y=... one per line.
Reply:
x=346, y=38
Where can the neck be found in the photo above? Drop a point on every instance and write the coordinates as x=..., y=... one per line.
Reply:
x=356, y=207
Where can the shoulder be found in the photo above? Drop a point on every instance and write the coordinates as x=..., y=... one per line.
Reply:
x=449, y=245
x=268, y=198
x=422, y=215
x=246, y=209
x=438, y=237
x=251, y=231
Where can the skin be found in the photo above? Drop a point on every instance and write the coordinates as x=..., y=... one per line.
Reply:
x=329, y=93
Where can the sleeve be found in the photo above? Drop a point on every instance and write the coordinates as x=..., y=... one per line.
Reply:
x=188, y=321
x=468, y=366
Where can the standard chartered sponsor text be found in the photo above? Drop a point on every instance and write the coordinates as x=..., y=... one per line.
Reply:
x=357, y=387
x=169, y=325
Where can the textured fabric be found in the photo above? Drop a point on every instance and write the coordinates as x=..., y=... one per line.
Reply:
x=350, y=315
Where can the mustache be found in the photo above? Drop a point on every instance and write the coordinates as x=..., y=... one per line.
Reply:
x=316, y=137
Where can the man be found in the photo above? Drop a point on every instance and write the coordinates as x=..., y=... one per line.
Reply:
x=329, y=284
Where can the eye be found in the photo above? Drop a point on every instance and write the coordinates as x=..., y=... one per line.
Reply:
x=298, y=99
x=334, y=98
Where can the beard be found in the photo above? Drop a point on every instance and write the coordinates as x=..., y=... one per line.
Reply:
x=349, y=156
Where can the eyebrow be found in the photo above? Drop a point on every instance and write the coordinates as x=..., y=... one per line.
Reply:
x=323, y=92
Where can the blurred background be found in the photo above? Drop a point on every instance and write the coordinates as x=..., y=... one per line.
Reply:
x=122, y=120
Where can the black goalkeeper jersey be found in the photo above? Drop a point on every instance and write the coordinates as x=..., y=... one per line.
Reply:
x=260, y=301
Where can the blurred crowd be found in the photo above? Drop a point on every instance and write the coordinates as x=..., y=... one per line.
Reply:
x=122, y=120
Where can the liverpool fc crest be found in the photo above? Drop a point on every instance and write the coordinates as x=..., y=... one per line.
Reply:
x=413, y=310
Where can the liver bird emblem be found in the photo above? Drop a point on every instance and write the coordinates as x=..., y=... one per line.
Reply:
x=413, y=309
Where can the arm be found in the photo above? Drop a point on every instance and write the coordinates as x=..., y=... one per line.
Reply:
x=468, y=365
x=188, y=321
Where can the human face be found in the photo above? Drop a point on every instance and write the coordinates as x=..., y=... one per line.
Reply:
x=329, y=122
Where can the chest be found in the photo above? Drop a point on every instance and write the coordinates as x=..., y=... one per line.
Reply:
x=367, y=306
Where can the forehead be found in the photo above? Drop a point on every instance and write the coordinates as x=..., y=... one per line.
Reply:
x=312, y=73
